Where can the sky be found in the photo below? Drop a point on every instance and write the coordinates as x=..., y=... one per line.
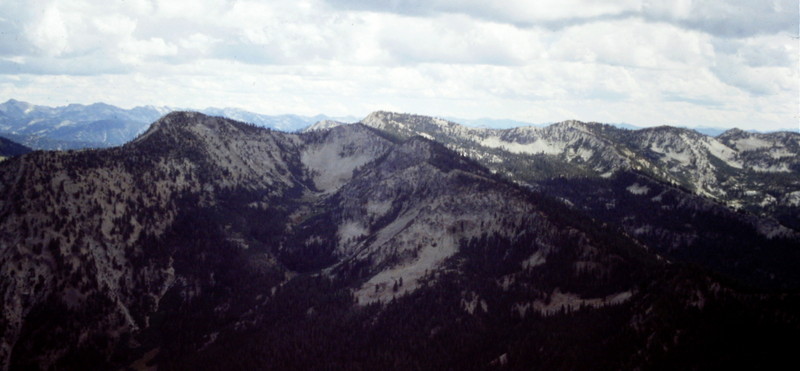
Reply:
x=695, y=63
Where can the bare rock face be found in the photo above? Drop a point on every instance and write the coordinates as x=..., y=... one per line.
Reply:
x=208, y=243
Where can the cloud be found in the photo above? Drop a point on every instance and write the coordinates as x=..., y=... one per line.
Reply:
x=50, y=34
x=456, y=39
x=639, y=61
x=634, y=44
x=693, y=101
x=771, y=50
x=517, y=12
x=756, y=80
x=762, y=65
x=735, y=18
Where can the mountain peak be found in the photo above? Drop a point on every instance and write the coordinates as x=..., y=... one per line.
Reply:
x=580, y=125
x=12, y=101
x=733, y=133
x=407, y=124
x=378, y=119
x=180, y=123
x=672, y=130
x=175, y=119
x=178, y=117
x=324, y=124
x=101, y=105
x=571, y=123
x=15, y=105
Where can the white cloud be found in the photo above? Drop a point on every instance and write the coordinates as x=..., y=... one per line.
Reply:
x=634, y=43
x=644, y=62
x=732, y=18
x=456, y=39
x=520, y=12
x=50, y=34
x=757, y=80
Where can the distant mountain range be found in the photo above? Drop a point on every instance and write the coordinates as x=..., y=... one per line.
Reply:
x=102, y=125
x=489, y=123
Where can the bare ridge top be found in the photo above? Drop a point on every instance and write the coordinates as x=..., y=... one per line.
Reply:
x=180, y=123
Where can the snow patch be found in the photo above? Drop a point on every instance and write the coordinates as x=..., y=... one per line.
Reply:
x=471, y=301
x=378, y=208
x=767, y=200
x=535, y=260
x=659, y=197
x=779, y=168
x=536, y=147
x=791, y=199
x=521, y=309
x=638, y=189
x=426, y=135
x=63, y=124
x=568, y=301
x=350, y=230
x=500, y=361
x=772, y=229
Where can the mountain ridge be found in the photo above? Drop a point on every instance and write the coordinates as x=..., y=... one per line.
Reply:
x=205, y=239
x=101, y=125
x=699, y=173
x=9, y=148
x=707, y=165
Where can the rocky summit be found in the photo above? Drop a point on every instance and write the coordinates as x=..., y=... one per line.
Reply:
x=401, y=242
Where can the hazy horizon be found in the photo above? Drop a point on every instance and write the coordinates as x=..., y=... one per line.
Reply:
x=484, y=122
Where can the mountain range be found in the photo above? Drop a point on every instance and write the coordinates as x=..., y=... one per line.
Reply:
x=752, y=171
x=402, y=242
x=639, y=179
x=102, y=125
